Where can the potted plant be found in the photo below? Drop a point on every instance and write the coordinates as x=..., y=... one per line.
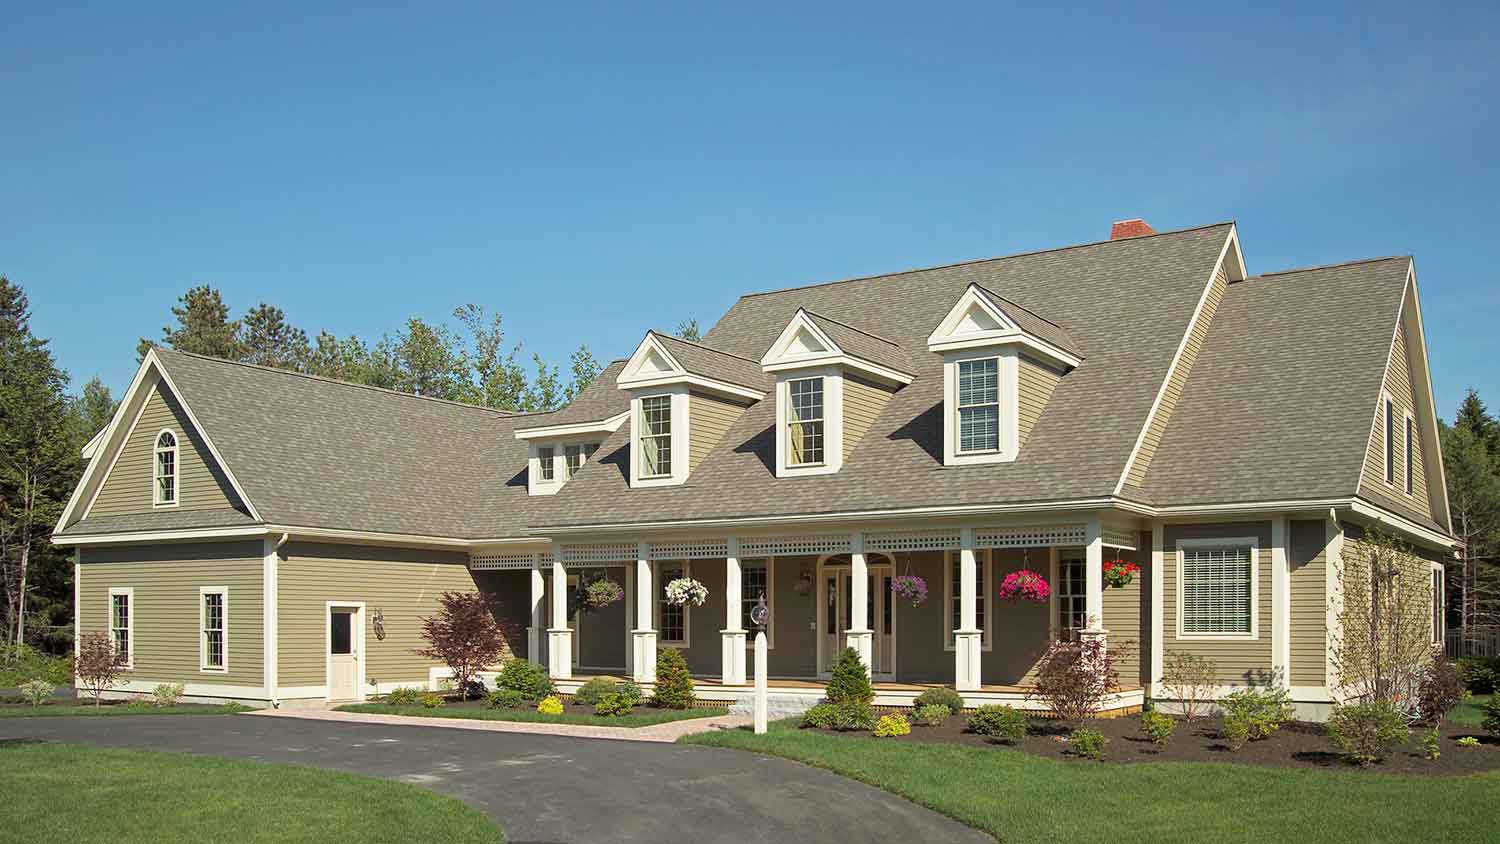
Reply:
x=910, y=587
x=602, y=592
x=685, y=591
x=1119, y=573
x=1025, y=585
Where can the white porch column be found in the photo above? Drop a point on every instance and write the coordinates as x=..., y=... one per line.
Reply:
x=1093, y=571
x=538, y=608
x=644, y=663
x=733, y=654
x=968, y=639
x=859, y=636
x=559, y=635
x=1281, y=604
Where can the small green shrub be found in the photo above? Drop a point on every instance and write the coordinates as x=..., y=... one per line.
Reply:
x=1432, y=744
x=998, y=722
x=850, y=715
x=849, y=682
x=822, y=716
x=1366, y=733
x=674, y=685
x=931, y=714
x=1087, y=743
x=19, y=663
x=1158, y=727
x=892, y=725
x=404, y=696
x=1467, y=741
x=1491, y=712
x=613, y=704
x=550, y=705
x=1255, y=714
x=589, y=693
x=36, y=691
x=140, y=705
x=1480, y=674
x=941, y=696
x=628, y=689
x=506, y=699
x=529, y=679
x=1235, y=732
x=432, y=700
x=167, y=694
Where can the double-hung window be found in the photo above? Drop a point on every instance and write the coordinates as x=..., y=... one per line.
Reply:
x=1217, y=589
x=572, y=460
x=671, y=620
x=656, y=437
x=1409, y=448
x=213, y=640
x=978, y=405
x=545, y=458
x=954, y=587
x=1072, y=593
x=121, y=617
x=805, y=421
x=755, y=580
x=165, y=469
x=1390, y=443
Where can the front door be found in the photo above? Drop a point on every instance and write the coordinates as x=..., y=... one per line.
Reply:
x=343, y=653
x=835, y=617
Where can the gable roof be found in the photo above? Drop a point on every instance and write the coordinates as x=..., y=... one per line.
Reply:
x=1033, y=324
x=862, y=344
x=710, y=362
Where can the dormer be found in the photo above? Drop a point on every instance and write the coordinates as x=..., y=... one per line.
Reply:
x=1000, y=364
x=832, y=380
x=683, y=398
x=558, y=451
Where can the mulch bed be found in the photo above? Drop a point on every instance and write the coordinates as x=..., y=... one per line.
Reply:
x=1299, y=744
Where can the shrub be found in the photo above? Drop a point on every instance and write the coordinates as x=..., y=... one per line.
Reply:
x=432, y=700
x=589, y=693
x=1432, y=744
x=550, y=705
x=97, y=664
x=1479, y=674
x=998, y=722
x=891, y=725
x=404, y=696
x=36, y=691
x=1440, y=691
x=463, y=635
x=167, y=694
x=140, y=705
x=1467, y=741
x=822, y=716
x=613, y=704
x=850, y=715
x=1190, y=680
x=506, y=699
x=1235, y=732
x=1087, y=743
x=19, y=663
x=1254, y=714
x=1075, y=678
x=1491, y=712
x=529, y=679
x=1158, y=727
x=674, y=686
x=931, y=714
x=628, y=689
x=1366, y=732
x=941, y=696
x=849, y=682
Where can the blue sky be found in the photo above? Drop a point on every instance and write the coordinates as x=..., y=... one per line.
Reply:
x=592, y=171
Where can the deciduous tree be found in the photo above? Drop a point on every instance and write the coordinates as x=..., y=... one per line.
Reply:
x=464, y=636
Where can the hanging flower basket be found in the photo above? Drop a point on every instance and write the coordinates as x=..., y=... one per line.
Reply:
x=1025, y=585
x=685, y=591
x=1119, y=573
x=910, y=587
x=602, y=592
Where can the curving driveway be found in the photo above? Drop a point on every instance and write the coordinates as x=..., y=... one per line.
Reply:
x=550, y=788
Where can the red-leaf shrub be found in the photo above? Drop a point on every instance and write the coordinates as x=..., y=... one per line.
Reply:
x=464, y=636
x=98, y=665
x=1074, y=679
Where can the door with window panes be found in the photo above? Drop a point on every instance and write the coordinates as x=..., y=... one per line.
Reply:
x=836, y=616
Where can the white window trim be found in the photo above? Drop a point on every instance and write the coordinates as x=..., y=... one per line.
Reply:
x=203, y=666
x=680, y=422
x=109, y=619
x=1442, y=599
x=833, y=423
x=1008, y=373
x=770, y=602
x=1408, y=452
x=176, y=451
x=661, y=598
x=1055, y=596
x=986, y=561
x=535, y=483
x=1254, y=543
x=1388, y=453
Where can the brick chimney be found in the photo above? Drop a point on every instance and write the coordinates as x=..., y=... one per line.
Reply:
x=1130, y=228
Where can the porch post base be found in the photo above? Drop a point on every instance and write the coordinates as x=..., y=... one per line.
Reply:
x=534, y=645
x=733, y=657
x=861, y=641
x=560, y=653
x=645, y=656
x=967, y=646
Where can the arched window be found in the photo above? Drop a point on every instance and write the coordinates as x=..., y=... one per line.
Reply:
x=165, y=463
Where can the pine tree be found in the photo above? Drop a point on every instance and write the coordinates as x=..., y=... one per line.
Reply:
x=674, y=685
x=849, y=682
x=267, y=339
x=688, y=329
x=203, y=327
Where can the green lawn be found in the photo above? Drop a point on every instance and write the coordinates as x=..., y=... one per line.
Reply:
x=1470, y=712
x=1022, y=798
x=48, y=710
x=59, y=792
x=641, y=717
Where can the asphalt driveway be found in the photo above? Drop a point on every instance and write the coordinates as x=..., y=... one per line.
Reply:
x=551, y=788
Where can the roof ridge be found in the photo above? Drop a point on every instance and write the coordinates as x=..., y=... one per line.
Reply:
x=1019, y=305
x=986, y=260
x=871, y=334
x=1333, y=266
x=701, y=346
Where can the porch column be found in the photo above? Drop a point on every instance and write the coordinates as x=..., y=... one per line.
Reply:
x=733, y=654
x=968, y=639
x=559, y=635
x=859, y=636
x=1093, y=576
x=538, y=608
x=1281, y=602
x=644, y=635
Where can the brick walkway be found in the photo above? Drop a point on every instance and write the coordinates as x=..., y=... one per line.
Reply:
x=666, y=733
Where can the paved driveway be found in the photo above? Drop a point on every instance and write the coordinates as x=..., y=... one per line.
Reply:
x=550, y=788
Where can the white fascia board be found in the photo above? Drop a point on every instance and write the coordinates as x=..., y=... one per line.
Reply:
x=1429, y=423
x=92, y=446
x=849, y=362
x=799, y=322
x=601, y=426
x=1383, y=516
x=185, y=534
x=971, y=297
x=92, y=470
x=207, y=440
x=630, y=373
x=1003, y=338
x=712, y=385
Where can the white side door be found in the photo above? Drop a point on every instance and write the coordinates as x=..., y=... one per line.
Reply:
x=343, y=653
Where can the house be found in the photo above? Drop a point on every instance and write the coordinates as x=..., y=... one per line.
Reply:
x=275, y=538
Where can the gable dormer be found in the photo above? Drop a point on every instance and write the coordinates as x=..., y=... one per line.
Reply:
x=832, y=380
x=556, y=452
x=1000, y=365
x=683, y=398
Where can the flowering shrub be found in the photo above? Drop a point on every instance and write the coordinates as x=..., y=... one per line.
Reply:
x=686, y=591
x=1025, y=584
x=167, y=694
x=1252, y=715
x=550, y=705
x=910, y=587
x=894, y=724
x=603, y=592
x=36, y=691
x=1118, y=573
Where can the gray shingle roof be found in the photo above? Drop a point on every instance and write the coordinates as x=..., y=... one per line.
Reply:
x=711, y=361
x=1033, y=324
x=864, y=345
x=160, y=520
x=600, y=400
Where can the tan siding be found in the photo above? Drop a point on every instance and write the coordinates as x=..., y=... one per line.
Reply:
x=166, y=580
x=128, y=489
x=1240, y=661
x=403, y=584
x=863, y=403
x=1127, y=614
x=708, y=419
x=1036, y=383
x=1309, y=610
x=1178, y=379
x=1398, y=385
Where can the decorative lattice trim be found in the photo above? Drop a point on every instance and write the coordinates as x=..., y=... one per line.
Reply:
x=703, y=550
x=1033, y=536
x=600, y=553
x=782, y=545
x=510, y=561
x=1121, y=538
x=916, y=541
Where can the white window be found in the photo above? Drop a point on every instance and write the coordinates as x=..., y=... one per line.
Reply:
x=546, y=459
x=1409, y=448
x=1439, y=604
x=574, y=456
x=1072, y=592
x=804, y=421
x=953, y=593
x=122, y=624
x=755, y=580
x=213, y=626
x=671, y=620
x=1217, y=589
x=165, y=470
x=978, y=405
x=1390, y=444
x=656, y=436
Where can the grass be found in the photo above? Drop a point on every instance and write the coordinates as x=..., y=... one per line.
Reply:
x=639, y=718
x=1022, y=798
x=53, y=709
x=59, y=792
x=1470, y=712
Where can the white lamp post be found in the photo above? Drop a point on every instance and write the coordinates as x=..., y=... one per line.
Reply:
x=759, y=615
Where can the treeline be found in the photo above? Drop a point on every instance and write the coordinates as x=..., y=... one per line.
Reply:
x=1471, y=462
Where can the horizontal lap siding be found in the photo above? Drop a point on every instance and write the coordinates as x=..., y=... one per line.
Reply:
x=1372, y=481
x=708, y=419
x=1036, y=383
x=404, y=584
x=1020, y=629
x=166, y=580
x=863, y=403
x=1127, y=615
x=1240, y=661
x=128, y=489
x=1309, y=610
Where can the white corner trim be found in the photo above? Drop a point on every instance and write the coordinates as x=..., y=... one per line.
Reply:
x=270, y=616
x=1281, y=600
x=1437, y=479
x=1158, y=599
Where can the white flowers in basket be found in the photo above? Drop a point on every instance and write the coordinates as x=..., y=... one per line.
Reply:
x=685, y=590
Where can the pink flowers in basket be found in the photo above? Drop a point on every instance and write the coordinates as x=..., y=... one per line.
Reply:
x=910, y=587
x=1025, y=584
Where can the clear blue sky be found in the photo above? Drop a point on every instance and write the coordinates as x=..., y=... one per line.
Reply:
x=594, y=171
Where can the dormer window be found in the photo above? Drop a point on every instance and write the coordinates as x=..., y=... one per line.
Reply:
x=560, y=449
x=979, y=406
x=655, y=444
x=547, y=462
x=574, y=456
x=805, y=422
x=165, y=469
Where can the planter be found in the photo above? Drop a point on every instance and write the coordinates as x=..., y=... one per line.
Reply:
x=910, y=587
x=601, y=593
x=685, y=591
x=1025, y=585
x=1119, y=573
